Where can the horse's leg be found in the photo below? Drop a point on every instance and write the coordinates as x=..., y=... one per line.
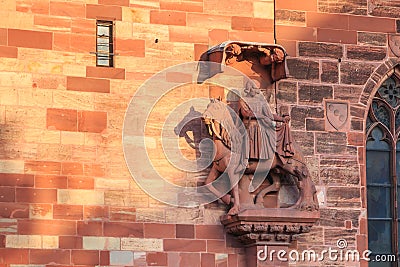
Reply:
x=235, y=190
x=307, y=199
x=294, y=171
x=212, y=176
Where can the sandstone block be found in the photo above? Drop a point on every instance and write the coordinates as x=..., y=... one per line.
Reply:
x=303, y=69
x=314, y=94
x=289, y=17
x=312, y=49
x=31, y=39
x=369, y=38
x=355, y=73
x=367, y=53
x=80, y=197
x=343, y=6
x=108, y=12
x=296, y=5
x=336, y=36
x=167, y=17
x=11, y=166
x=142, y=244
x=40, y=211
x=101, y=243
x=330, y=72
x=68, y=9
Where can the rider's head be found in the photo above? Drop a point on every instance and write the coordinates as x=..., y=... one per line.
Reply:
x=252, y=88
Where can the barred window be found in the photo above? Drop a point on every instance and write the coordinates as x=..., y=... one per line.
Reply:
x=383, y=171
x=104, y=44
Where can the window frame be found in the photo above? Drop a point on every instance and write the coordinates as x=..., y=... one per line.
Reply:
x=391, y=136
x=109, y=54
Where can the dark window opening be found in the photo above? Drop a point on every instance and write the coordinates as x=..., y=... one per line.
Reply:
x=383, y=171
x=104, y=44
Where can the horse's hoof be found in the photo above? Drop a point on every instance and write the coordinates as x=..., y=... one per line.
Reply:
x=234, y=211
x=259, y=204
x=305, y=206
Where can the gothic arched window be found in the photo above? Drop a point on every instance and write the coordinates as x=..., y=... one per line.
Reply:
x=383, y=171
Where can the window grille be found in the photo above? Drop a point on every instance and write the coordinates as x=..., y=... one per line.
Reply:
x=104, y=44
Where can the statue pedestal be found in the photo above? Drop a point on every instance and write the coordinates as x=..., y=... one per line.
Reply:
x=265, y=230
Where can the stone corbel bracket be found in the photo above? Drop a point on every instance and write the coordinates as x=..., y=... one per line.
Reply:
x=269, y=66
x=269, y=226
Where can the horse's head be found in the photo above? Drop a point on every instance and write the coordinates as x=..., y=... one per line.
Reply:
x=188, y=122
x=190, y=127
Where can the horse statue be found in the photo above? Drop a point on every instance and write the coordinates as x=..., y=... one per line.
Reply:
x=231, y=146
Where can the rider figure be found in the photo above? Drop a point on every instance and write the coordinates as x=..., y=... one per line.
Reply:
x=259, y=122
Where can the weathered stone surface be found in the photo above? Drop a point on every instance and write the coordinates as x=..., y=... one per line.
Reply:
x=287, y=92
x=350, y=93
x=142, y=244
x=213, y=215
x=357, y=125
x=338, y=162
x=80, y=197
x=101, y=243
x=290, y=17
x=150, y=215
x=368, y=53
x=124, y=258
x=306, y=142
x=366, y=93
x=23, y=241
x=320, y=50
x=332, y=235
x=303, y=69
x=384, y=8
x=314, y=237
x=357, y=7
x=40, y=211
x=339, y=171
x=314, y=94
x=393, y=41
x=300, y=113
x=315, y=124
x=331, y=143
x=330, y=72
x=337, y=217
x=125, y=198
x=32, y=241
x=344, y=197
x=11, y=166
x=369, y=38
x=357, y=111
x=355, y=72
x=184, y=215
x=8, y=226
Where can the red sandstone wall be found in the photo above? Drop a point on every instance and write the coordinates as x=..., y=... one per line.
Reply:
x=338, y=51
x=66, y=196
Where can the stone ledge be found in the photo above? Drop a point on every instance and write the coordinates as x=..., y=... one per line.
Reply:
x=269, y=226
x=272, y=215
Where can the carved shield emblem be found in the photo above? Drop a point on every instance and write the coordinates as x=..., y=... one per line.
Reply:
x=337, y=114
x=394, y=44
